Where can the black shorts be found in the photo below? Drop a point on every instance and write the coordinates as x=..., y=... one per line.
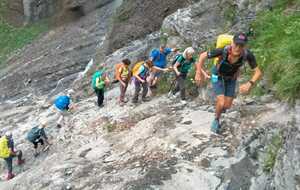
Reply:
x=36, y=142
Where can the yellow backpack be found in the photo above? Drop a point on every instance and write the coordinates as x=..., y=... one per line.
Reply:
x=222, y=41
x=4, y=150
x=136, y=67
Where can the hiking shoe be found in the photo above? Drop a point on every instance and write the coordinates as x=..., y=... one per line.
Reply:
x=146, y=99
x=215, y=126
x=10, y=176
x=134, y=101
x=183, y=101
x=20, y=162
x=171, y=95
x=153, y=87
x=36, y=154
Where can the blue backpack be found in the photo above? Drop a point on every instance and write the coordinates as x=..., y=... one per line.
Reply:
x=34, y=134
x=62, y=102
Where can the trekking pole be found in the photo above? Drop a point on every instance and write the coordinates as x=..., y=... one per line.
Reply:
x=172, y=84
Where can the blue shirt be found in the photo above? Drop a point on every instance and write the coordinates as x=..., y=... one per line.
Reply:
x=160, y=59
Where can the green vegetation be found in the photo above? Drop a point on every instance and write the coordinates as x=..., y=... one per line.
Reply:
x=272, y=151
x=277, y=48
x=124, y=12
x=110, y=127
x=13, y=38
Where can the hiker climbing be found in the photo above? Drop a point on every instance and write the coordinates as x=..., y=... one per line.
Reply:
x=99, y=81
x=7, y=152
x=225, y=73
x=123, y=74
x=141, y=72
x=159, y=59
x=181, y=67
x=38, y=135
x=63, y=106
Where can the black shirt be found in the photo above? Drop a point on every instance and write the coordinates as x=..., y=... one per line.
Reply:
x=247, y=56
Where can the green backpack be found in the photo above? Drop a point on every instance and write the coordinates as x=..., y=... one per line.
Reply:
x=96, y=75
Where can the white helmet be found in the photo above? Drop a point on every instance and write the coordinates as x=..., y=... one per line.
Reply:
x=70, y=92
x=8, y=134
x=43, y=122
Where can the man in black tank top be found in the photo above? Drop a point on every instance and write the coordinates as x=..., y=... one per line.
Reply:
x=225, y=73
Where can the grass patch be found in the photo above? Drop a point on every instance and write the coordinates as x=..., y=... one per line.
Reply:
x=13, y=38
x=272, y=152
x=110, y=127
x=277, y=49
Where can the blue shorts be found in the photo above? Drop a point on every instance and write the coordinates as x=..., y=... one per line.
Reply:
x=224, y=87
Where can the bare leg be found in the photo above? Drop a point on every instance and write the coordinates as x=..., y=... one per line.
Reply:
x=219, y=106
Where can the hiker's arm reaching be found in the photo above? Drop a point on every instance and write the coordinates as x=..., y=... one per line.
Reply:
x=199, y=69
x=245, y=88
x=257, y=75
x=160, y=69
x=175, y=49
x=139, y=78
x=175, y=67
x=44, y=136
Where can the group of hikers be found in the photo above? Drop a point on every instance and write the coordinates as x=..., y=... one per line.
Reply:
x=230, y=55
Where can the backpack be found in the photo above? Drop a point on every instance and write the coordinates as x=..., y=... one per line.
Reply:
x=136, y=67
x=117, y=70
x=4, y=150
x=62, y=102
x=223, y=40
x=175, y=59
x=96, y=75
x=34, y=134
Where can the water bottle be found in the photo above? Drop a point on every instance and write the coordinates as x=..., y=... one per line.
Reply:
x=214, y=78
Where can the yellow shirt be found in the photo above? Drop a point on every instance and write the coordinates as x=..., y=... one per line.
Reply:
x=124, y=72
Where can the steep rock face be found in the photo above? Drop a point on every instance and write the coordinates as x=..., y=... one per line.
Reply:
x=26, y=11
x=203, y=21
x=35, y=10
x=137, y=18
x=62, y=52
x=14, y=12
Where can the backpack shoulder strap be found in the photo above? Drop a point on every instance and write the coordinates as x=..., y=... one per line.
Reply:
x=226, y=51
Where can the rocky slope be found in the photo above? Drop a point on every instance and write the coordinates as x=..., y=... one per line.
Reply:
x=161, y=144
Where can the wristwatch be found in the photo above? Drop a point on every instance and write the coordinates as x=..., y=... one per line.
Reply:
x=251, y=82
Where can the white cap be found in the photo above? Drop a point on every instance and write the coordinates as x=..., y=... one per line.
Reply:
x=8, y=134
x=43, y=122
x=70, y=92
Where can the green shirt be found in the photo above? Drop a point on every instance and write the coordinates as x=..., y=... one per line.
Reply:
x=185, y=65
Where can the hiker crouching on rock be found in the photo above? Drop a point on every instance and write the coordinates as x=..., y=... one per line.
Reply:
x=63, y=105
x=181, y=67
x=225, y=73
x=7, y=152
x=141, y=72
x=38, y=135
x=159, y=59
x=100, y=81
